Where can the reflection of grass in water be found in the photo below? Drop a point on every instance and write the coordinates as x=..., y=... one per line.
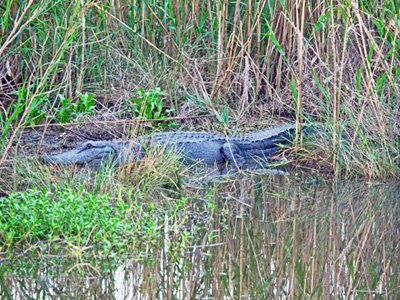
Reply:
x=83, y=224
x=315, y=242
x=263, y=237
x=107, y=212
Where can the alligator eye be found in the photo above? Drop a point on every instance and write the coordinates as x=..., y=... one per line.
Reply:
x=89, y=146
x=85, y=146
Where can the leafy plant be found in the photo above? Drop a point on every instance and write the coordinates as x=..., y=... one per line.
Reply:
x=150, y=105
x=71, y=109
x=86, y=219
x=37, y=215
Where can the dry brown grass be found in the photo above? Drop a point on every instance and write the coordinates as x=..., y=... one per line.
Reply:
x=244, y=62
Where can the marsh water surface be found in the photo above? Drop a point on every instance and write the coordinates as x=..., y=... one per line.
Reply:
x=258, y=237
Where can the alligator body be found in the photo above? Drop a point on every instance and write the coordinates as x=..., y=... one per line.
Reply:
x=194, y=147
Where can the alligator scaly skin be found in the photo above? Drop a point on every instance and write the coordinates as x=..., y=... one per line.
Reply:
x=204, y=147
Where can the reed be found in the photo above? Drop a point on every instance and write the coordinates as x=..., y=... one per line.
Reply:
x=330, y=61
x=248, y=64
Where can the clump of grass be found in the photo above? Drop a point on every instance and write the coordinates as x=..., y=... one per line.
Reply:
x=70, y=109
x=158, y=169
x=81, y=223
x=80, y=219
x=241, y=60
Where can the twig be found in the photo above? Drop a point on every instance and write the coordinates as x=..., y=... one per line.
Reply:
x=123, y=121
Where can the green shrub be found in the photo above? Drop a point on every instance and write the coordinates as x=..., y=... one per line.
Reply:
x=150, y=105
x=81, y=219
x=71, y=109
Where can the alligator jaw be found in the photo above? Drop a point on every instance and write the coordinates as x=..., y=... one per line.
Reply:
x=89, y=153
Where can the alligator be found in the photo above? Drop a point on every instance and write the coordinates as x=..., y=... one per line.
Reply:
x=211, y=149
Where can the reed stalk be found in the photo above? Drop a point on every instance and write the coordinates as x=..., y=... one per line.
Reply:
x=263, y=61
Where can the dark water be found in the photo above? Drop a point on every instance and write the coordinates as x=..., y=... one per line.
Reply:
x=264, y=237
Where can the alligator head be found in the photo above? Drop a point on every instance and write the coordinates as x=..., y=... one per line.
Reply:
x=89, y=153
x=95, y=153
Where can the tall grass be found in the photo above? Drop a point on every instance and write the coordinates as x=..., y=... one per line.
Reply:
x=333, y=61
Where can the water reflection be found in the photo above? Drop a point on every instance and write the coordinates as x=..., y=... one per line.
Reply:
x=267, y=236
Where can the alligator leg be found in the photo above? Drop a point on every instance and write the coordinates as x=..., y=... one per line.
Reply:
x=232, y=154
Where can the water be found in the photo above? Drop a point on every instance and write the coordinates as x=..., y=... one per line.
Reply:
x=261, y=237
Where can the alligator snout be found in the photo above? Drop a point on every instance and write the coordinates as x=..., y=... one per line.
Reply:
x=89, y=153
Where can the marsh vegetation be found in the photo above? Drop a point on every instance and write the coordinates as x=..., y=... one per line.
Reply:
x=257, y=237
x=244, y=64
x=72, y=71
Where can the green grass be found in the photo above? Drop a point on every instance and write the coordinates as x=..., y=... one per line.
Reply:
x=240, y=61
x=105, y=212
x=85, y=223
x=263, y=236
x=81, y=219
x=247, y=64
